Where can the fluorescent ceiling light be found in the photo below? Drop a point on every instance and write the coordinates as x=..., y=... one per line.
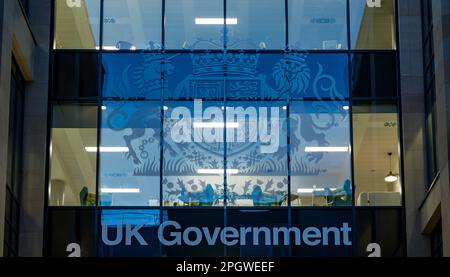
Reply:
x=104, y=108
x=346, y=108
x=216, y=171
x=166, y=108
x=314, y=149
x=311, y=190
x=215, y=21
x=108, y=149
x=229, y=125
x=120, y=190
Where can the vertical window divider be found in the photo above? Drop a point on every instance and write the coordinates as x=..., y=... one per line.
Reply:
x=225, y=165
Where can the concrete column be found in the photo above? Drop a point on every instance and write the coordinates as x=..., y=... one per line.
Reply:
x=412, y=93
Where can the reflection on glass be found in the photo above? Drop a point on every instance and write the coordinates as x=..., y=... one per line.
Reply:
x=128, y=76
x=375, y=135
x=372, y=26
x=320, y=154
x=318, y=24
x=259, y=24
x=130, y=154
x=257, y=153
x=77, y=26
x=132, y=24
x=193, y=154
x=73, y=169
x=194, y=24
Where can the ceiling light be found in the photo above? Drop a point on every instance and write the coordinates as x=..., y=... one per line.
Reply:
x=346, y=108
x=215, y=21
x=229, y=125
x=108, y=149
x=120, y=190
x=104, y=108
x=315, y=149
x=216, y=171
x=391, y=177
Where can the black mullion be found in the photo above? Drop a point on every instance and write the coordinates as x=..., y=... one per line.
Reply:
x=225, y=177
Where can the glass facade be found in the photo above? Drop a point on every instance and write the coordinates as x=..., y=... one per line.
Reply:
x=268, y=108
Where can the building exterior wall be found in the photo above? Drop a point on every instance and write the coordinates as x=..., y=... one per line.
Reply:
x=28, y=43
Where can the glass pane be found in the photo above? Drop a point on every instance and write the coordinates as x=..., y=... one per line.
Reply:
x=257, y=154
x=252, y=77
x=374, y=75
x=194, y=24
x=114, y=242
x=193, y=154
x=71, y=226
x=372, y=26
x=313, y=76
x=73, y=165
x=256, y=24
x=77, y=24
x=320, y=154
x=194, y=76
x=131, y=76
x=132, y=24
x=318, y=24
x=130, y=154
x=75, y=75
x=375, y=137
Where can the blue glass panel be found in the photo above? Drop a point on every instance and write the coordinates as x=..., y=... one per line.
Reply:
x=320, y=153
x=128, y=76
x=130, y=154
x=193, y=154
x=252, y=77
x=257, y=153
x=315, y=76
x=195, y=75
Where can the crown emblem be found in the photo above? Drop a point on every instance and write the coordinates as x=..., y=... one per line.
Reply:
x=217, y=63
x=296, y=57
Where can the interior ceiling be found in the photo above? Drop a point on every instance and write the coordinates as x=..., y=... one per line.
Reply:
x=374, y=137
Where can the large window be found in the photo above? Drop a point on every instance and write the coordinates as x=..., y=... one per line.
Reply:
x=77, y=24
x=320, y=154
x=376, y=154
x=130, y=154
x=132, y=24
x=372, y=25
x=318, y=24
x=73, y=155
x=222, y=113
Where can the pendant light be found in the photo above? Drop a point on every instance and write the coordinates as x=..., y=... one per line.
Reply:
x=391, y=177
